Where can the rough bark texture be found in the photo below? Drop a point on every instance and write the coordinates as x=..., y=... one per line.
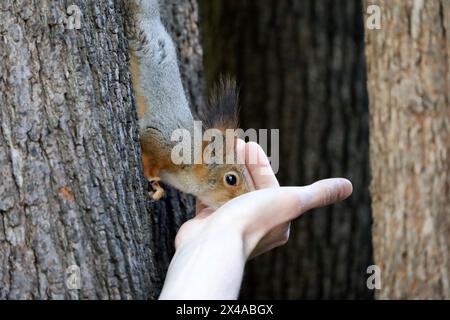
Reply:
x=301, y=68
x=72, y=189
x=409, y=86
x=181, y=19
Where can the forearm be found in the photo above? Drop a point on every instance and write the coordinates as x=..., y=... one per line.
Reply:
x=210, y=268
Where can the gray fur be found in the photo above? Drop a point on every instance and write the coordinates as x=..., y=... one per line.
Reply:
x=168, y=108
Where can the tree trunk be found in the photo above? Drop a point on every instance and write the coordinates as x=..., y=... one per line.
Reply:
x=72, y=190
x=301, y=68
x=409, y=86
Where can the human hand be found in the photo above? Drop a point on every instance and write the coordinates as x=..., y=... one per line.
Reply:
x=212, y=248
x=262, y=218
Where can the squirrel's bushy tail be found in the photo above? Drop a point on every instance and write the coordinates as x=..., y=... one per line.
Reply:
x=223, y=107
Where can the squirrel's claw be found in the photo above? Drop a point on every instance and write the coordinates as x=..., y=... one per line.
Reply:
x=157, y=191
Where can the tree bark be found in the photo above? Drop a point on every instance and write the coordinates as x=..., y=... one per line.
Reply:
x=301, y=68
x=72, y=190
x=409, y=87
x=182, y=21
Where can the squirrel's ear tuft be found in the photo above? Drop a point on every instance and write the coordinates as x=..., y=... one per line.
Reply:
x=223, y=107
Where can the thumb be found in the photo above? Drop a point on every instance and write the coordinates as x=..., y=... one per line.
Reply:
x=267, y=208
x=323, y=193
x=282, y=205
x=298, y=200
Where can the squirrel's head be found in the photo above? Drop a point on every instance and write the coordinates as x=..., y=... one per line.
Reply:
x=223, y=182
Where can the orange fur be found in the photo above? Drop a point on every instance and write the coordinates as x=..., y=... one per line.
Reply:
x=141, y=101
x=151, y=164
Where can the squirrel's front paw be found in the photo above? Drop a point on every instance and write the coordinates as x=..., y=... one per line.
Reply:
x=157, y=191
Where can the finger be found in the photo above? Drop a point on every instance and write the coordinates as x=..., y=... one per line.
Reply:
x=323, y=193
x=240, y=151
x=241, y=147
x=280, y=205
x=259, y=167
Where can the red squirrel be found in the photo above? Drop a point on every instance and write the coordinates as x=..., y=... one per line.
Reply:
x=163, y=108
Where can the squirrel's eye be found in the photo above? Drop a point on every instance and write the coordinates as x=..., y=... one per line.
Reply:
x=231, y=179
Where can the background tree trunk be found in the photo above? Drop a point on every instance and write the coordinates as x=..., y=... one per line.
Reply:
x=301, y=68
x=72, y=189
x=409, y=86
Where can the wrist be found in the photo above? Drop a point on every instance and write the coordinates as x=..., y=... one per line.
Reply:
x=215, y=234
x=208, y=266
